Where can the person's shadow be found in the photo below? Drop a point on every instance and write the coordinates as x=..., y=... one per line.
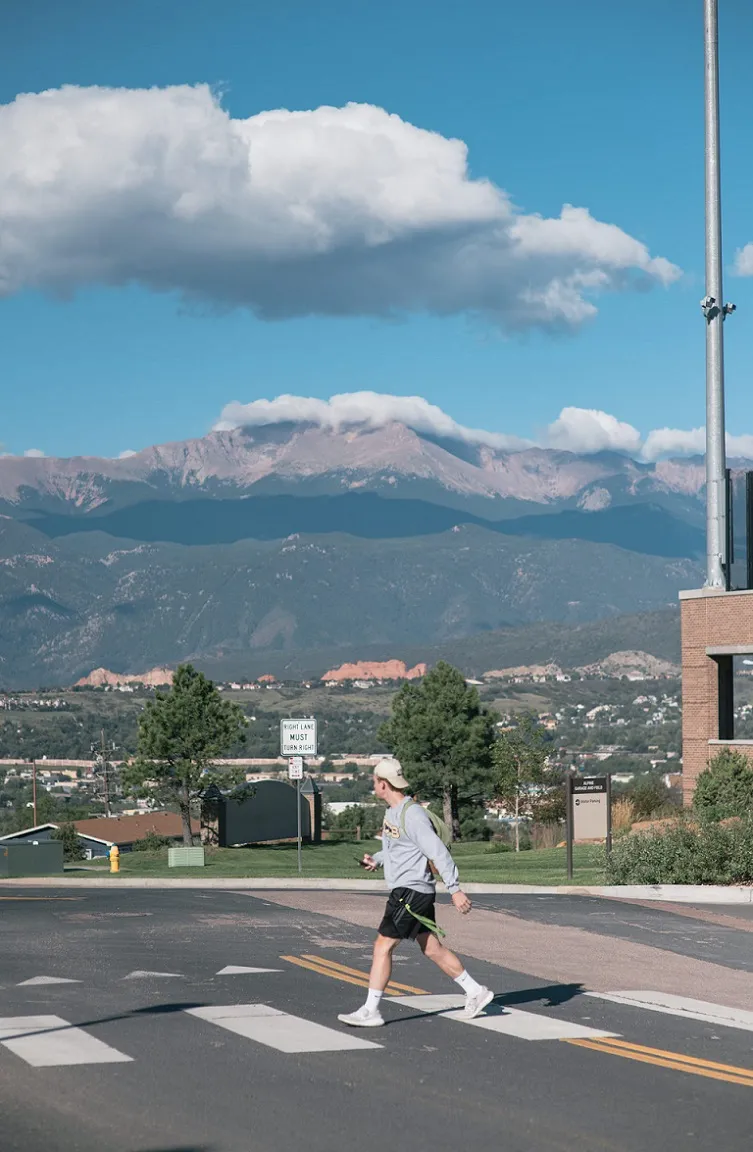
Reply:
x=552, y=996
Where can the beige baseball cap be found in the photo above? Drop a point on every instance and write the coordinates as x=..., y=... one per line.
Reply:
x=391, y=770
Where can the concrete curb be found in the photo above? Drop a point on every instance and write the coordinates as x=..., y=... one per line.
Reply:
x=671, y=893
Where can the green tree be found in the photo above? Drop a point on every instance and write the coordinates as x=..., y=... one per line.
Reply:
x=443, y=737
x=72, y=846
x=649, y=796
x=369, y=818
x=725, y=788
x=181, y=733
x=520, y=756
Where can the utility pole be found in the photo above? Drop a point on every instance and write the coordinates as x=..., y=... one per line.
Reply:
x=103, y=764
x=714, y=311
x=34, y=788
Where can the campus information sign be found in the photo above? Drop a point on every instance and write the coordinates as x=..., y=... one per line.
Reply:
x=590, y=808
x=297, y=738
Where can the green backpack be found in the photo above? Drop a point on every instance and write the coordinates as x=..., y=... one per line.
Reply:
x=441, y=829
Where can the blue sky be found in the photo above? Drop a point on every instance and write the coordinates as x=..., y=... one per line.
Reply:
x=595, y=105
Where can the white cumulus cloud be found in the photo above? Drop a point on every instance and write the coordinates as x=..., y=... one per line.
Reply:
x=332, y=211
x=589, y=430
x=126, y=453
x=692, y=442
x=34, y=452
x=583, y=431
x=369, y=409
x=674, y=442
x=744, y=261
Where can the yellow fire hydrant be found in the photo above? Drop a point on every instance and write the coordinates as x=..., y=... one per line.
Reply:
x=114, y=858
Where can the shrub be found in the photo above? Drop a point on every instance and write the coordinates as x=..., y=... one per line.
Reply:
x=649, y=797
x=152, y=842
x=684, y=854
x=499, y=846
x=725, y=788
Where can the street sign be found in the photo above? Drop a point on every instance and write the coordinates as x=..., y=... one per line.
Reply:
x=295, y=768
x=298, y=738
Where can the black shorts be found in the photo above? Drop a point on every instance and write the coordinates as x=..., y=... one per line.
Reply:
x=397, y=922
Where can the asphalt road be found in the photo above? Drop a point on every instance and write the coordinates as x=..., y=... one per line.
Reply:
x=186, y=1061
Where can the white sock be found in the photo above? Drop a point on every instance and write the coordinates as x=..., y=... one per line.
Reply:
x=468, y=984
x=372, y=1000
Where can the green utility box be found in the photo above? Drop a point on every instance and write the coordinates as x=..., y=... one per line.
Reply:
x=43, y=859
x=185, y=857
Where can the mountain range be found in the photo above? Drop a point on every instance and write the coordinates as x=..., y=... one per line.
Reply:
x=291, y=537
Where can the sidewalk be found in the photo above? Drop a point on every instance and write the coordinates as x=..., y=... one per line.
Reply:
x=677, y=893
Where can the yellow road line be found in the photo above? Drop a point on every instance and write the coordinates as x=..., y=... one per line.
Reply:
x=45, y=898
x=393, y=986
x=325, y=971
x=348, y=976
x=673, y=1060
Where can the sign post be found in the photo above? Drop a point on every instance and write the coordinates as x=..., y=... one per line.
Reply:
x=569, y=823
x=297, y=739
x=295, y=772
x=589, y=812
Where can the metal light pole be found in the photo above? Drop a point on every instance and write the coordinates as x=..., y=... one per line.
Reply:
x=714, y=312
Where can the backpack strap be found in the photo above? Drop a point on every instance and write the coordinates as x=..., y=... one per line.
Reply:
x=406, y=806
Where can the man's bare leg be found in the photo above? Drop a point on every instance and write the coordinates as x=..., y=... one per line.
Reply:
x=381, y=964
x=435, y=950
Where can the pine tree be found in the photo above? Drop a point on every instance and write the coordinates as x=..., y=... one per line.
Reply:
x=180, y=733
x=443, y=736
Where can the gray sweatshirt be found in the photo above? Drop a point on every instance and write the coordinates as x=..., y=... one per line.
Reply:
x=406, y=854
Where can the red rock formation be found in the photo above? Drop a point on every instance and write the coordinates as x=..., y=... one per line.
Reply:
x=388, y=670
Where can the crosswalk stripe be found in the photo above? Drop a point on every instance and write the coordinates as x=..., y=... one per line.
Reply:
x=51, y=1042
x=239, y=970
x=47, y=980
x=278, y=1029
x=143, y=975
x=667, y=1003
x=507, y=1021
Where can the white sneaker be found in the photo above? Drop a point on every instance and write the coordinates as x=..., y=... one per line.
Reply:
x=363, y=1018
x=474, y=1005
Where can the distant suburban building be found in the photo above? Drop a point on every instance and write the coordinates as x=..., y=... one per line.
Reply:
x=98, y=834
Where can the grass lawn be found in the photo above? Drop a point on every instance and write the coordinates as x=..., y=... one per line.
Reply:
x=337, y=859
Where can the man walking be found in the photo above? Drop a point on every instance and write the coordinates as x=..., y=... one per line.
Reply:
x=409, y=846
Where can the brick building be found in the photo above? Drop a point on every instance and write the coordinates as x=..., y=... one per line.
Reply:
x=717, y=630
